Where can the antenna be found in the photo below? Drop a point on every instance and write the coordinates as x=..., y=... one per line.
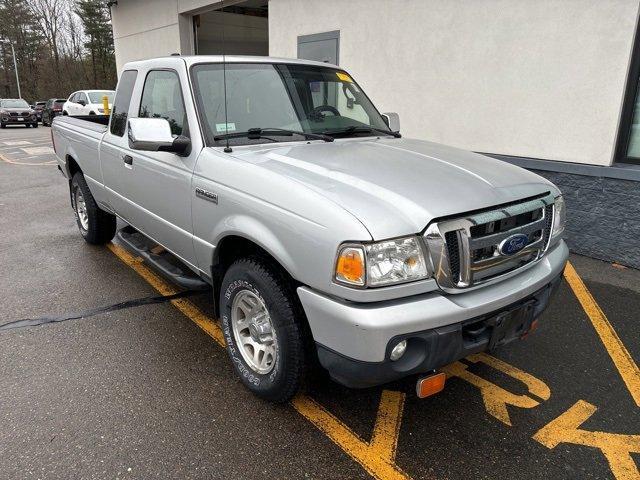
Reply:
x=227, y=148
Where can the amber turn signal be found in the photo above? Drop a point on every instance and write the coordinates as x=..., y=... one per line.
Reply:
x=350, y=266
x=431, y=385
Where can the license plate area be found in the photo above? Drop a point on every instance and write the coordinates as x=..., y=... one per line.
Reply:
x=510, y=325
x=496, y=330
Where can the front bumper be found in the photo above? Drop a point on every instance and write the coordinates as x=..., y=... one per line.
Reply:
x=354, y=340
x=8, y=120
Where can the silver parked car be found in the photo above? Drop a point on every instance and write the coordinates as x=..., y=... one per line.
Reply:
x=324, y=234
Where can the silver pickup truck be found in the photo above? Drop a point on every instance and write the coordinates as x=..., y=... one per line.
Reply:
x=325, y=236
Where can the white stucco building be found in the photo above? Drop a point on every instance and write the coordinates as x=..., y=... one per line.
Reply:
x=548, y=84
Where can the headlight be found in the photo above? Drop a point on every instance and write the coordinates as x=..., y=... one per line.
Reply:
x=381, y=263
x=559, y=218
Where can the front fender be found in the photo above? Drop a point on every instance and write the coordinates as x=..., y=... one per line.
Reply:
x=257, y=232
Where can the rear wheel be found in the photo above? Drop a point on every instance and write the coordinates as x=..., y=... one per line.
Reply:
x=96, y=226
x=3, y=125
x=263, y=325
x=34, y=125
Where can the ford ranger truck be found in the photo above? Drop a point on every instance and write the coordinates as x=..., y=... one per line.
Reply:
x=326, y=236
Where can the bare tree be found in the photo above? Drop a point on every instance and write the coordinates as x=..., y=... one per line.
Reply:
x=50, y=16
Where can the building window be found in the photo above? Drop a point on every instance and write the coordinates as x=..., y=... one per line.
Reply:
x=633, y=146
x=628, y=147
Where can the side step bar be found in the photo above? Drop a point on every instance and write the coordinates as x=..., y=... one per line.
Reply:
x=160, y=260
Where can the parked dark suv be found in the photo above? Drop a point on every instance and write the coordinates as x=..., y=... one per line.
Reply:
x=39, y=107
x=52, y=109
x=16, y=111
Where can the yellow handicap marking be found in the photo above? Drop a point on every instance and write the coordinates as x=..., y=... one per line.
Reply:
x=496, y=398
x=376, y=457
x=617, y=448
x=15, y=162
x=622, y=359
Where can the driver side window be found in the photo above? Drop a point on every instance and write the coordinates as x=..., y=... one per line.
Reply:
x=162, y=98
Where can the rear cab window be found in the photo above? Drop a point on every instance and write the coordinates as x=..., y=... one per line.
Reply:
x=122, y=101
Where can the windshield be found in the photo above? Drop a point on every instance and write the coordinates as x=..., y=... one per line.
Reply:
x=96, y=97
x=304, y=98
x=14, y=103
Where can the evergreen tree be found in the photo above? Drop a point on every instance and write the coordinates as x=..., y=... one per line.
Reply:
x=96, y=21
x=20, y=28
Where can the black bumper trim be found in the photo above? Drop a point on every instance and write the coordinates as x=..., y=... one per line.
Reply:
x=428, y=350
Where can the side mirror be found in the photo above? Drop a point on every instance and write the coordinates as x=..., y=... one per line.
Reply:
x=82, y=102
x=392, y=120
x=154, y=135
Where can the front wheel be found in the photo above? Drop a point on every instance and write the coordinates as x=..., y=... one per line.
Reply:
x=263, y=325
x=96, y=226
x=34, y=125
x=3, y=125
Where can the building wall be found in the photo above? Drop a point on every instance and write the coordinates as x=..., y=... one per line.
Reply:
x=542, y=79
x=144, y=29
x=603, y=216
x=154, y=28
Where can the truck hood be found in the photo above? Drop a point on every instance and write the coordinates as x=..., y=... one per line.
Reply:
x=397, y=186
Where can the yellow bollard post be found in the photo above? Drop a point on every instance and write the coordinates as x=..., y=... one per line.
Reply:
x=105, y=104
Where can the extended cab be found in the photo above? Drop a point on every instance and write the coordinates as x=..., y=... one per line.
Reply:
x=326, y=237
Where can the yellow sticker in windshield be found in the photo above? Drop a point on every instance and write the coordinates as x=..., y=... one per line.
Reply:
x=344, y=77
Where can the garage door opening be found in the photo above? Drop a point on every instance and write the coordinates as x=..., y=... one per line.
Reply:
x=246, y=29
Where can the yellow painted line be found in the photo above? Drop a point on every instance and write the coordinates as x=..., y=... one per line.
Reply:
x=376, y=457
x=616, y=447
x=619, y=354
x=14, y=162
x=184, y=305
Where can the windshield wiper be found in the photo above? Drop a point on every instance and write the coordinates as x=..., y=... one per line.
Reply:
x=363, y=129
x=256, y=133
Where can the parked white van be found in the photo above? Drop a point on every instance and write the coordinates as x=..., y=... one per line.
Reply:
x=87, y=102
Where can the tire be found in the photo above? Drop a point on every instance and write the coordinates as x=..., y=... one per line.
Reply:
x=96, y=226
x=3, y=125
x=34, y=125
x=65, y=113
x=256, y=281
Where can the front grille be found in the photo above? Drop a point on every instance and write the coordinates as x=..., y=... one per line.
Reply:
x=471, y=250
x=548, y=215
x=13, y=114
x=453, y=250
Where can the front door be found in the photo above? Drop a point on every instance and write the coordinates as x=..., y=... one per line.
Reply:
x=156, y=186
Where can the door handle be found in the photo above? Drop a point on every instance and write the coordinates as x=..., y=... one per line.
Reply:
x=127, y=159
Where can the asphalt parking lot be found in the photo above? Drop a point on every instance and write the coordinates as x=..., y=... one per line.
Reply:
x=145, y=390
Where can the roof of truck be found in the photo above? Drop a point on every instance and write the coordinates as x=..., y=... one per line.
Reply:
x=195, y=59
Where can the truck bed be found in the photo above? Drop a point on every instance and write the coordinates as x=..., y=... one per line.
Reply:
x=97, y=123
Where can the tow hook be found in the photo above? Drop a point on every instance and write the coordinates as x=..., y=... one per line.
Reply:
x=427, y=386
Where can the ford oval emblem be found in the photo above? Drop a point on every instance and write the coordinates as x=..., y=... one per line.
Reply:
x=513, y=244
